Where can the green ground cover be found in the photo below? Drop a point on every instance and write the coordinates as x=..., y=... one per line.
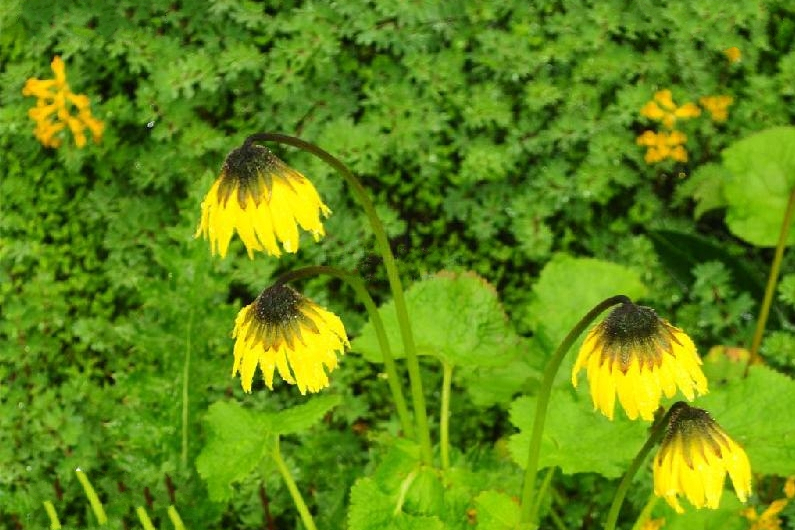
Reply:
x=529, y=149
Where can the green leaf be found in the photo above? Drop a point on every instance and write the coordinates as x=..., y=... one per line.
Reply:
x=680, y=252
x=576, y=439
x=569, y=287
x=758, y=412
x=456, y=317
x=726, y=517
x=497, y=511
x=238, y=440
x=371, y=508
x=762, y=170
x=302, y=417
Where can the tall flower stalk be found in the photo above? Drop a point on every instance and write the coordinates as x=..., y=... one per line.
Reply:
x=395, y=283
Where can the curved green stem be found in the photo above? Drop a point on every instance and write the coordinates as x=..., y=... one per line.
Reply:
x=395, y=284
x=770, y=290
x=444, y=415
x=357, y=284
x=300, y=505
x=55, y=524
x=528, y=513
x=657, y=431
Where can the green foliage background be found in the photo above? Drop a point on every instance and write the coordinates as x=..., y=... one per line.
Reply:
x=493, y=137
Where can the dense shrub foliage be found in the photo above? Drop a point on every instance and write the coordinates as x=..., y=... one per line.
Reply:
x=496, y=137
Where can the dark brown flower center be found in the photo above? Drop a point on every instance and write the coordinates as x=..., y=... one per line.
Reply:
x=280, y=315
x=634, y=332
x=249, y=170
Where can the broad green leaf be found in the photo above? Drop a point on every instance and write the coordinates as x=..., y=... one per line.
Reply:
x=726, y=517
x=762, y=168
x=456, y=317
x=569, y=287
x=371, y=508
x=758, y=412
x=680, y=252
x=576, y=438
x=303, y=416
x=238, y=440
x=497, y=511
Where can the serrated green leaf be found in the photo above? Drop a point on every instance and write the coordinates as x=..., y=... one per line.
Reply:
x=762, y=169
x=726, y=517
x=457, y=318
x=576, y=439
x=302, y=417
x=569, y=287
x=373, y=509
x=238, y=440
x=497, y=511
x=759, y=413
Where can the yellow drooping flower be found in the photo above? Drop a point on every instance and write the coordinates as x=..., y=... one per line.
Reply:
x=733, y=54
x=52, y=112
x=663, y=145
x=638, y=356
x=263, y=200
x=717, y=106
x=286, y=332
x=694, y=457
x=663, y=109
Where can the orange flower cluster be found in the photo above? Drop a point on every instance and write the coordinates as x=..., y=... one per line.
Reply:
x=717, y=105
x=662, y=108
x=52, y=112
x=769, y=520
x=663, y=145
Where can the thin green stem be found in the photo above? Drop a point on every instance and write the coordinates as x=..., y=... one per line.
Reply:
x=144, y=519
x=300, y=505
x=645, y=513
x=772, y=280
x=395, y=284
x=657, y=431
x=542, y=403
x=185, y=387
x=542, y=491
x=444, y=415
x=357, y=284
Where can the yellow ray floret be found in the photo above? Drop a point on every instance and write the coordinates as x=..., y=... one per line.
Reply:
x=285, y=332
x=637, y=357
x=264, y=201
x=694, y=458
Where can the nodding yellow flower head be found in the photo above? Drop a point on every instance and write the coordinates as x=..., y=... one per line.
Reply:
x=281, y=330
x=264, y=200
x=638, y=356
x=53, y=110
x=694, y=457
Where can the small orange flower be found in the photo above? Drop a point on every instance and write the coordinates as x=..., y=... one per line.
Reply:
x=733, y=54
x=767, y=520
x=52, y=112
x=662, y=108
x=663, y=145
x=717, y=106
